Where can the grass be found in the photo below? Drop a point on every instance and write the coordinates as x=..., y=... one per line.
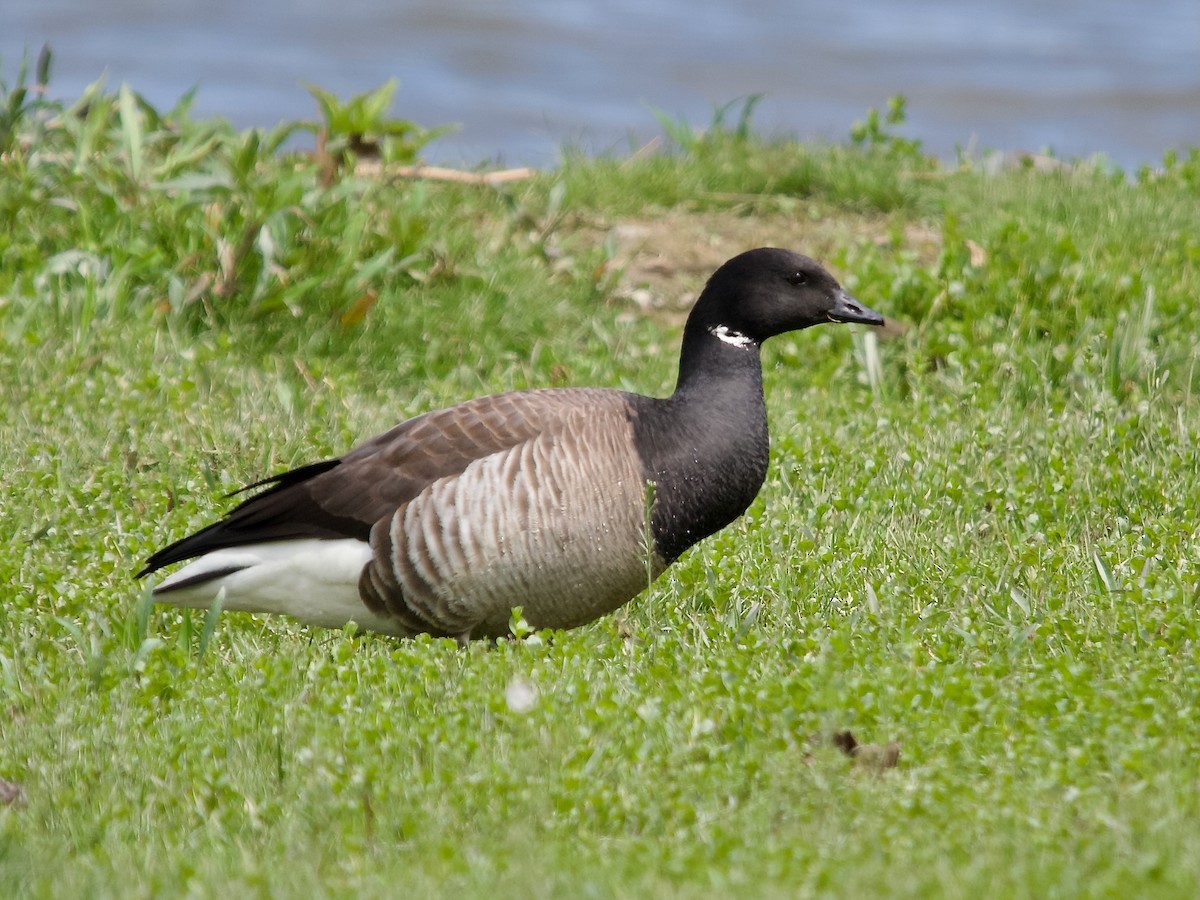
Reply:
x=979, y=539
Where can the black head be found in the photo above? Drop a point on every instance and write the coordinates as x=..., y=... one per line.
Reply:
x=764, y=292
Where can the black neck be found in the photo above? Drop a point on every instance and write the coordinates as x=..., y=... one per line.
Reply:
x=712, y=359
x=705, y=447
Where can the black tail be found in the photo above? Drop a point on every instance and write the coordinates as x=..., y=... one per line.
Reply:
x=283, y=511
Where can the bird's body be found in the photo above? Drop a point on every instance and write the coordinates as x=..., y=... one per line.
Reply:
x=563, y=502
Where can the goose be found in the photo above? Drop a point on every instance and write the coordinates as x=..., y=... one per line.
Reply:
x=565, y=502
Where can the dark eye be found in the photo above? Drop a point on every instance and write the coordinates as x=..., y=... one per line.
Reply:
x=797, y=278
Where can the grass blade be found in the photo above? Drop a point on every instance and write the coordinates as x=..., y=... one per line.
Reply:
x=131, y=130
x=1105, y=573
x=210, y=624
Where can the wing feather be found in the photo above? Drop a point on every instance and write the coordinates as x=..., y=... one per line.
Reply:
x=344, y=497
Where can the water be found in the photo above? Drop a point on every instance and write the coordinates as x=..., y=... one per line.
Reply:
x=525, y=77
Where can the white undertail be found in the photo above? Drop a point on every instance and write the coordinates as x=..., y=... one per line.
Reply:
x=315, y=581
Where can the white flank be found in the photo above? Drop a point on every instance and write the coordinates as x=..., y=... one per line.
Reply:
x=315, y=581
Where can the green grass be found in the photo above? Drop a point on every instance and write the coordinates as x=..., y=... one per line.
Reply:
x=980, y=539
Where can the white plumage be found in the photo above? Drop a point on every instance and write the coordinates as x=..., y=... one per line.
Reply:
x=315, y=581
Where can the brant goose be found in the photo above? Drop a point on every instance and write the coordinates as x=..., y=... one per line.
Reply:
x=565, y=502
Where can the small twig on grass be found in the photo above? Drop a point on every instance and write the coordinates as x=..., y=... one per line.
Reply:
x=647, y=149
x=11, y=793
x=439, y=173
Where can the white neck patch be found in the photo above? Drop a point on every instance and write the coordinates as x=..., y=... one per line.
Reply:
x=729, y=336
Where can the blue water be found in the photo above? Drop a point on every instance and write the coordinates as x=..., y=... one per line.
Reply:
x=525, y=77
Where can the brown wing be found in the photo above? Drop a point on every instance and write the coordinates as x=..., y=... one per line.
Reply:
x=344, y=497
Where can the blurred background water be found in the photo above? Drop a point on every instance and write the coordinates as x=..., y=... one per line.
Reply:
x=523, y=78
